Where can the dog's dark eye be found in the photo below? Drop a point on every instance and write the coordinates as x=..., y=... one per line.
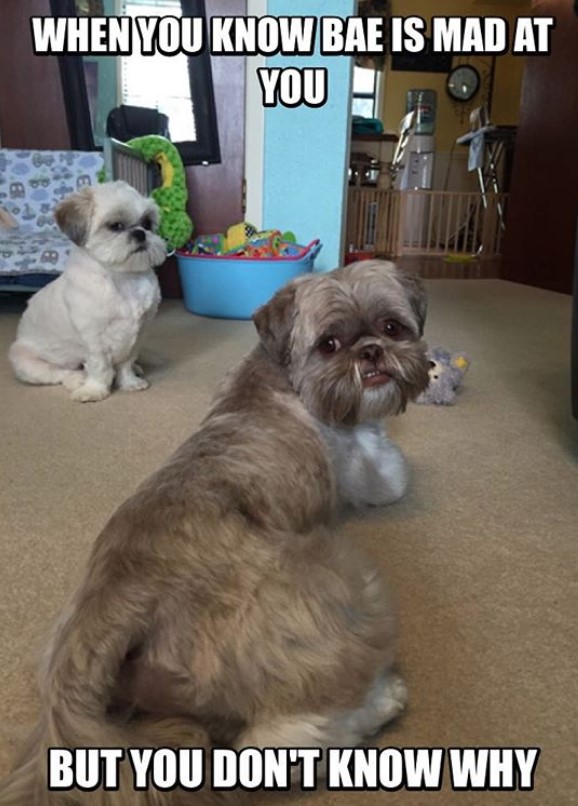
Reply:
x=147, y=223
x=116, y=226
x=329, y=345
x=432, y=364
x=393, y=329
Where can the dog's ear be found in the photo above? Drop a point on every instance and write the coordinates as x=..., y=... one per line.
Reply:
x=416, y=294
x=73, y=215
x=274, y=323
x=155, y=215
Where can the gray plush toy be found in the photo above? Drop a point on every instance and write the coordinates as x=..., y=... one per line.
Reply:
x=445, y=375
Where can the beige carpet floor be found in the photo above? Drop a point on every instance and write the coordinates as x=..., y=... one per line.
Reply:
x=481, y=554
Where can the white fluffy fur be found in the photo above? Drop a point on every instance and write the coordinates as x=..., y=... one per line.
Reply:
x=370, y=469
x=82, y=330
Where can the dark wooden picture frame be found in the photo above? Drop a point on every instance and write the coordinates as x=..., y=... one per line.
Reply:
x=426, y=62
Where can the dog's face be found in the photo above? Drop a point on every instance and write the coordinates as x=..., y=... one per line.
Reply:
x=350, y=340
x=115, y=225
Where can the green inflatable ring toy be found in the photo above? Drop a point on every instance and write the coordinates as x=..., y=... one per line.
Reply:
x=175, y=225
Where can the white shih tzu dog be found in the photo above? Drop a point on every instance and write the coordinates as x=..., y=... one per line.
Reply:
x=220, y=605
x=83, y=329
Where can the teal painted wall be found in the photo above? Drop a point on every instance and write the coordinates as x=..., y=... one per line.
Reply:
x=306, y=149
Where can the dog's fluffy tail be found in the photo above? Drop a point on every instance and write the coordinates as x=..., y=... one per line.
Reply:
x=88, y=651
x=28, y=784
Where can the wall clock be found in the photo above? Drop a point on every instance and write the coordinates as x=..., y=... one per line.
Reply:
x=463, y=83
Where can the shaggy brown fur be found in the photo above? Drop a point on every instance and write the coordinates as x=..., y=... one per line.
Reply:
x=218, y=604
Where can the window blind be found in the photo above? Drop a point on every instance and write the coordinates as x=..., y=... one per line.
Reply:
x=159, y=82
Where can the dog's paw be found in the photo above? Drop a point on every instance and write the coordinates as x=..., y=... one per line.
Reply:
x=74, y=379
x=386, y=701
x=392, y=698
x=90, y=393
x=133, y=384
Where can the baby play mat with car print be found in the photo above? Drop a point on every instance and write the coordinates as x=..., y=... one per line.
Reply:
x=32, y=183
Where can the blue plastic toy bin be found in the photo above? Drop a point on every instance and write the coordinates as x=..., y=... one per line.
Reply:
x=231, y=287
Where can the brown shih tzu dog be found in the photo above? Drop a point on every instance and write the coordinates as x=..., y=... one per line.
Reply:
x=219, y=606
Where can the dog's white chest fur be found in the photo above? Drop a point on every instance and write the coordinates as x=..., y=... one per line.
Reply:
x=133, y=300
x=369, y=467
x=89, y=310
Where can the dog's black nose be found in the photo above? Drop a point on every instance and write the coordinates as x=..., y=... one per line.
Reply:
x=371, y=352
x=139, y=235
